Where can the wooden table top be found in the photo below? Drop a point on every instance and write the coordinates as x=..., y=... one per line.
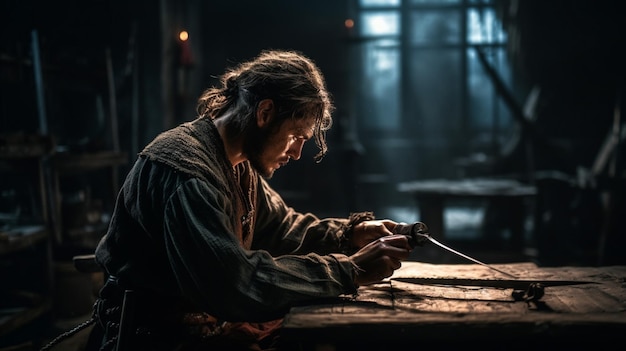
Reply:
x=460, y=303
x=467, y=188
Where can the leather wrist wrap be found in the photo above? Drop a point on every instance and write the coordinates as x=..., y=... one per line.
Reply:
x=348, y=230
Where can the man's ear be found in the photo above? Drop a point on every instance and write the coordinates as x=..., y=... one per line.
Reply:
x=264, y=112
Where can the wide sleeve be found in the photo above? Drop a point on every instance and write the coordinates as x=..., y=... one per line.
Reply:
x=282, y=230
x=214, y=271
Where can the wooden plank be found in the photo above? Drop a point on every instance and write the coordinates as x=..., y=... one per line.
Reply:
x=584, y=301
x=21, y=237
x=393, y=312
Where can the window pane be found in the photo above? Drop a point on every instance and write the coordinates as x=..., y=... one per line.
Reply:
x=380, y=23
x=490, y=118
x=436, y=81
x=430, y=27
x=484, y=27
x=435, y=108
x=381, y=92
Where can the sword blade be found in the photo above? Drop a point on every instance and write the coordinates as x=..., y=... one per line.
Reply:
x=468, y=257
x=493, y=283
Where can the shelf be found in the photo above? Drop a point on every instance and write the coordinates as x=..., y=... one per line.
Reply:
x=25, y=238
x=18, y=238
x=20, y=308
x=67, y=163
x=20, y=146
x=87, y=236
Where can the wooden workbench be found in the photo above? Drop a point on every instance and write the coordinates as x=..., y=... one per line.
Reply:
x=434, y=195
x=432, y=304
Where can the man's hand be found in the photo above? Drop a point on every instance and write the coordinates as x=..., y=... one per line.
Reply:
x=380, y=258
x=368, y=231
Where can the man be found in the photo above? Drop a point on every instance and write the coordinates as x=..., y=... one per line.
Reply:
x=213, y=254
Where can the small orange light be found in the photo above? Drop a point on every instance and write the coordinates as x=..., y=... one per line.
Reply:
x=349, y=23
x=183, y=35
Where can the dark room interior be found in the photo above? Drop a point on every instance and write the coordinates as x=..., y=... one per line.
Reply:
x=498, y=120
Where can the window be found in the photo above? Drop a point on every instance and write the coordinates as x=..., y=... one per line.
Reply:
x=381, y=94
x=422, y=88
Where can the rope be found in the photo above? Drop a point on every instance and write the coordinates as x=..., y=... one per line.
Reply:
x=99, y=310
x=68, y=334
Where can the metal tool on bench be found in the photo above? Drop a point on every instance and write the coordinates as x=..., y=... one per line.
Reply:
x=524, y=290
x=418, y=236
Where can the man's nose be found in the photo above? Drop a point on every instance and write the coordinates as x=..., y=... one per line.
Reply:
x=295, y=149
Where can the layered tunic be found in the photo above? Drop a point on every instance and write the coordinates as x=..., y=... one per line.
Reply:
x=188, y=226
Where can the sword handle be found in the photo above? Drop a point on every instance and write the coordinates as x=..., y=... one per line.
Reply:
x=416, y=232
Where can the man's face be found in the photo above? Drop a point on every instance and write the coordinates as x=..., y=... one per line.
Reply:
x=269, y=148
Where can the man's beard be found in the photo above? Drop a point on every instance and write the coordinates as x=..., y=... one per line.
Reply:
x=254, y=145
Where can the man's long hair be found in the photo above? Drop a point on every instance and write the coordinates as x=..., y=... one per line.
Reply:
x=290, y=79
